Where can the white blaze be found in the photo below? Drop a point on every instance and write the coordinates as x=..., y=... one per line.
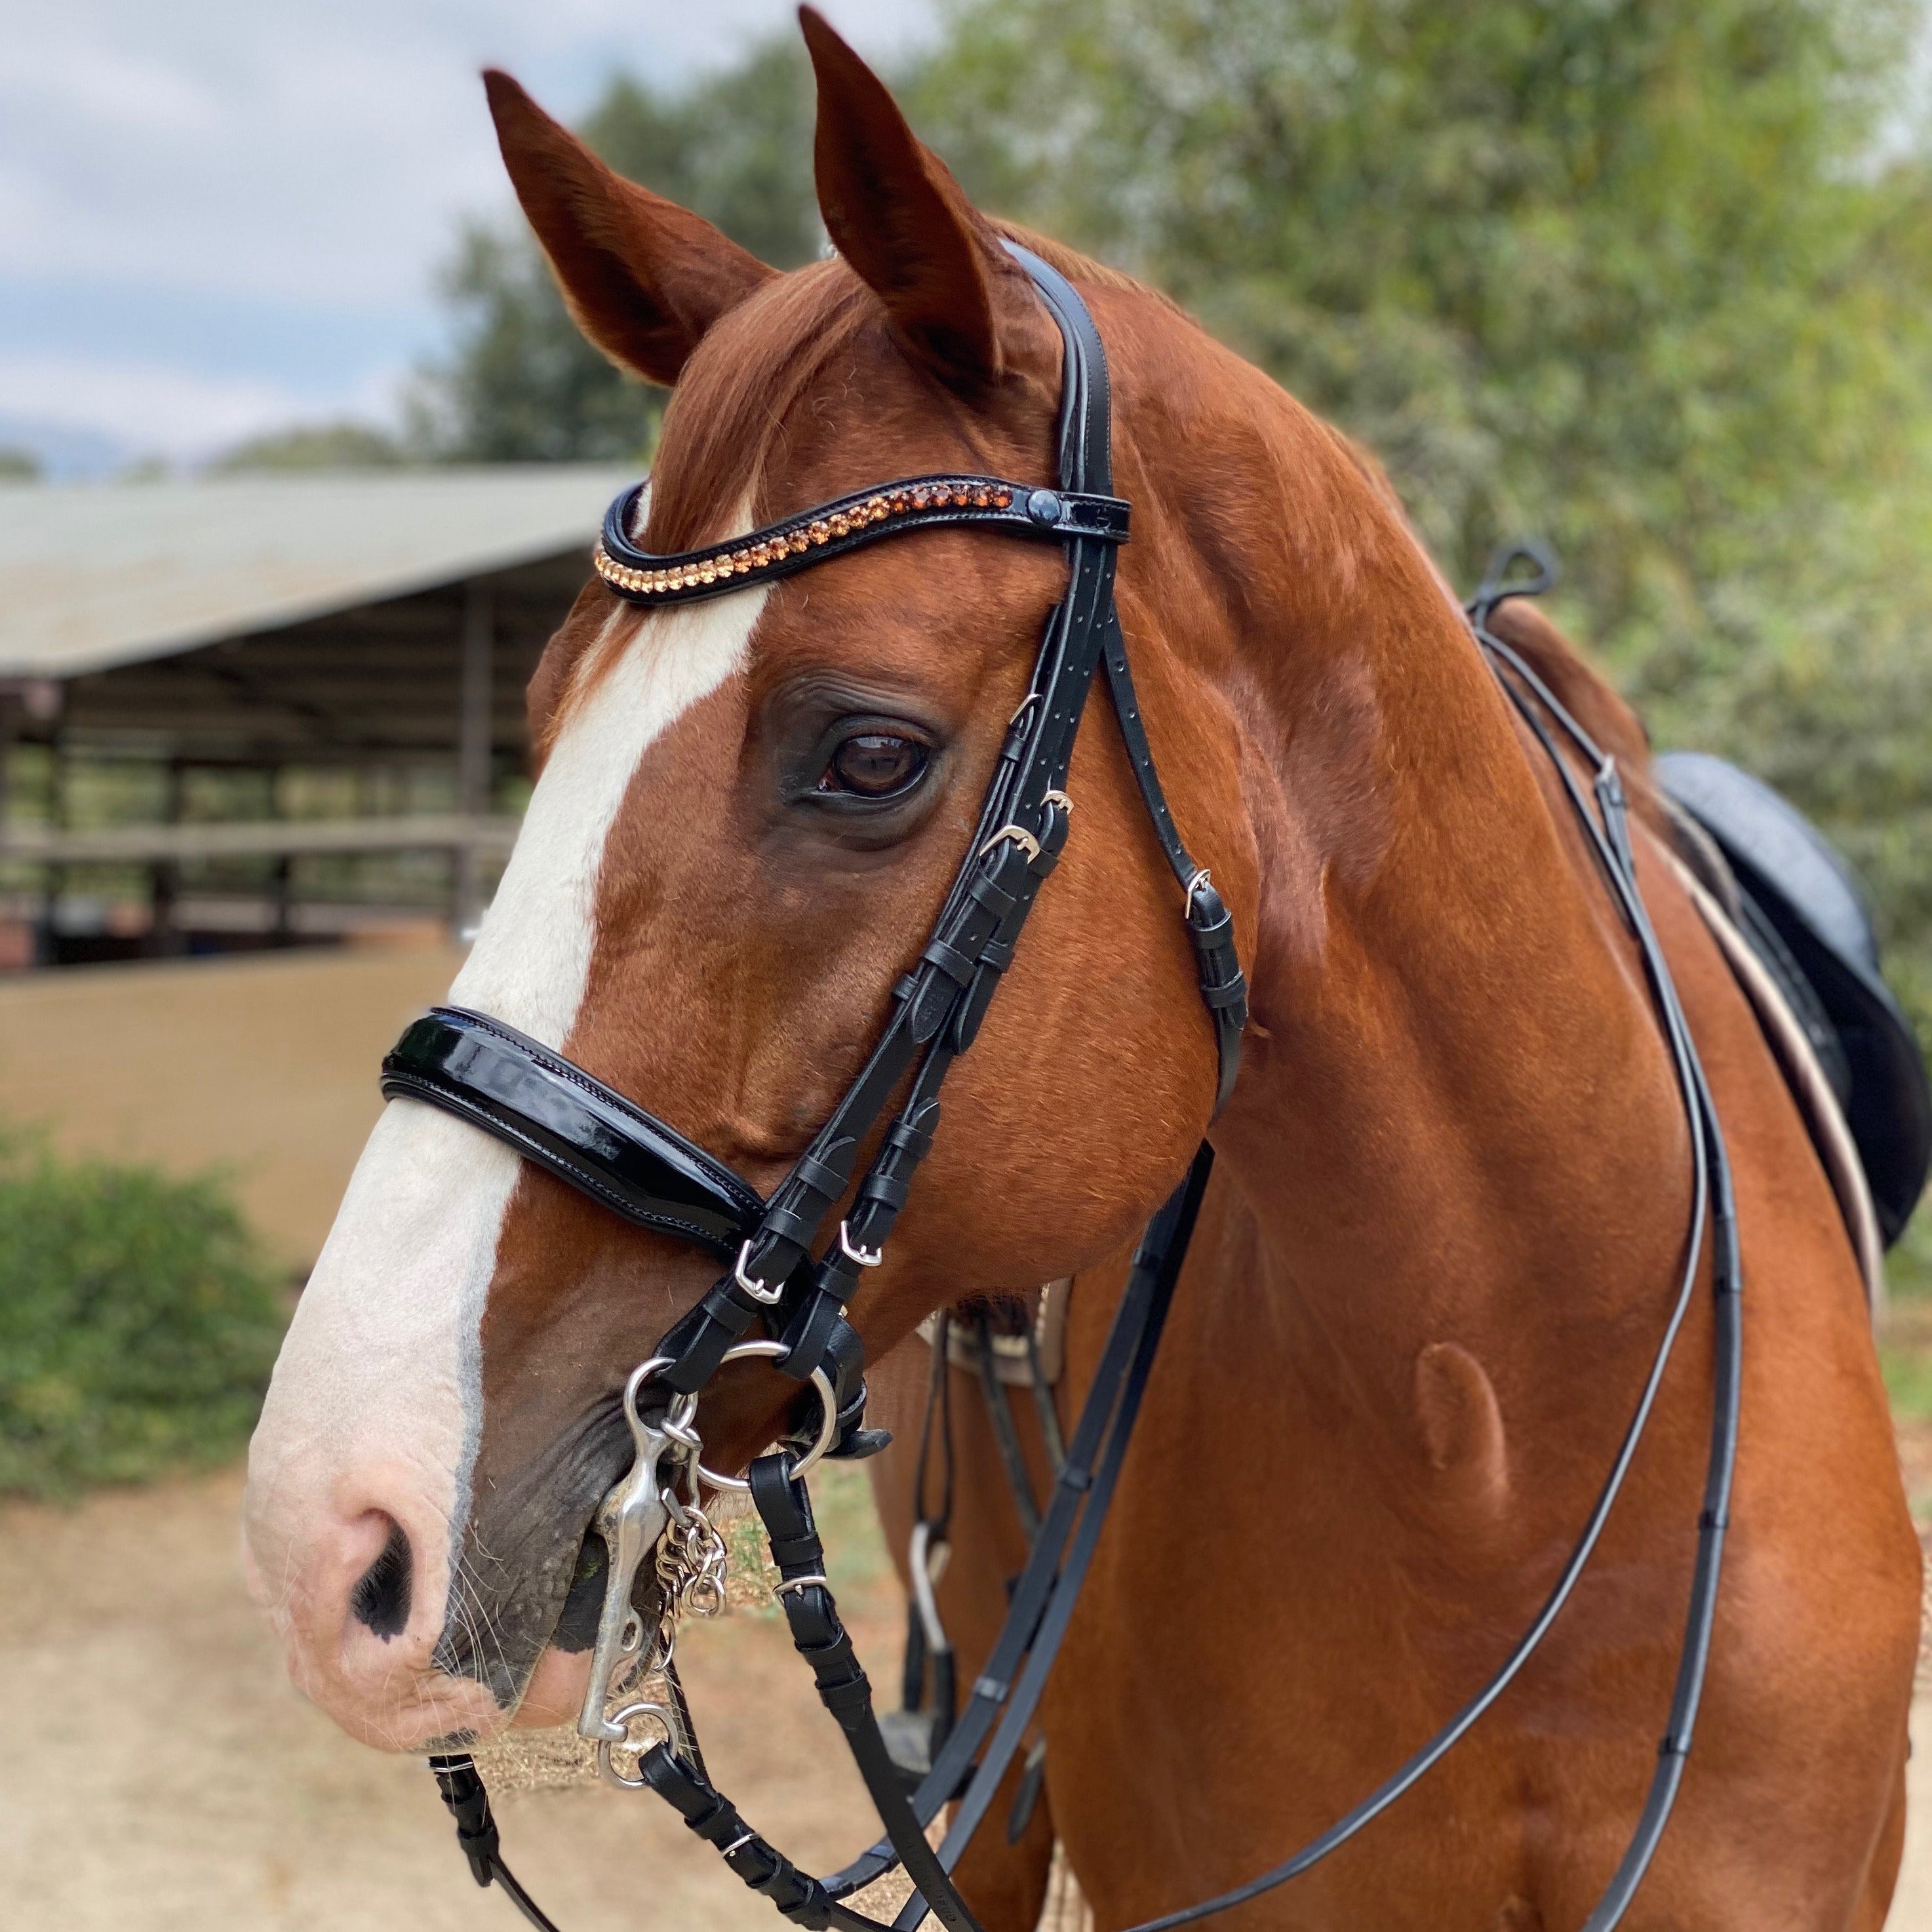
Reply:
x=376, y=1402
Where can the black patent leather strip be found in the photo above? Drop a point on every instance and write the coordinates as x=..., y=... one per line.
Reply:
x=571, y=1125
x=797, y=542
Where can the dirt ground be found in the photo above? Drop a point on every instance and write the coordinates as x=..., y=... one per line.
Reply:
x=158, y=1775
x=264, y=1066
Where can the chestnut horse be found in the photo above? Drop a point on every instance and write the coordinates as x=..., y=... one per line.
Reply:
x=1448, y=1212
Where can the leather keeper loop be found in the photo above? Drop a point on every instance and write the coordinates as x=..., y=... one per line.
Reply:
x=724, y=1304
x=935, y=1005
x=1208, y=912
x=912, y=1133
x=817, y=1635
x=804, y=1554
x=784, y=1221
x=946, y=958
x=758, y=1864
x=848, y=1699
x=469, y=1804
x=829, y=1178
x=888, y=1186
x=991, y=896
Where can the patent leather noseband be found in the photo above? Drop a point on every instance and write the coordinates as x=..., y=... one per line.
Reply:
x=555, y=1114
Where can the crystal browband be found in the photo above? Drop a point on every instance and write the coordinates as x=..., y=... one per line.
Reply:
x=812, y=535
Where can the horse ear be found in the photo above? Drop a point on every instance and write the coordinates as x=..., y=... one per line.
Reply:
x=894, y=211
x=643, y=277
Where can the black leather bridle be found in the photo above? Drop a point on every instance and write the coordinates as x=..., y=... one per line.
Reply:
x=563, y=1120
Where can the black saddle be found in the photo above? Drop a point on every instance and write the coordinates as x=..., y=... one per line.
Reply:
x=1806, y=917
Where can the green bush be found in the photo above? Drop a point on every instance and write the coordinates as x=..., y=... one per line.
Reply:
x=139, y=1321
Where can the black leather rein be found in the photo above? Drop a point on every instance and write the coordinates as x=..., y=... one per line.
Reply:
x=799, y=1284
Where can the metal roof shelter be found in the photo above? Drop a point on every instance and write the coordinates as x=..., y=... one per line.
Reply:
x=377, y=621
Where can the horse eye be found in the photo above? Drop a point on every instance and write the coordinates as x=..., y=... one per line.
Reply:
x=874, y=764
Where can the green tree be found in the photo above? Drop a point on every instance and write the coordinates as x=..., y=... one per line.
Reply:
x=1618, y=269
x=737, y=148
x=1650, y=276
x=346, y=445
x=520, y=385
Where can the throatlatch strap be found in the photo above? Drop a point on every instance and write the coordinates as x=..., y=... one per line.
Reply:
x=1224, y=987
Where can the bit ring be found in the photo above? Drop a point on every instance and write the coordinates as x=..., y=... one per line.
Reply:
x=659, y=1715
x=828, y=1406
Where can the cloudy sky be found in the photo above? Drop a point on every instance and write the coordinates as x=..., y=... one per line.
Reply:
x=221, y=216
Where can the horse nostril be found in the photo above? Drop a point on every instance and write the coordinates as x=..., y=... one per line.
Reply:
x=381, y=1598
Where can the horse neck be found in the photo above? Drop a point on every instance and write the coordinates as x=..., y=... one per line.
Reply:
x=1453, y=1098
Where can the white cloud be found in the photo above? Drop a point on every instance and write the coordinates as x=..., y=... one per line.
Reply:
x=278, y=149
x=284, y=152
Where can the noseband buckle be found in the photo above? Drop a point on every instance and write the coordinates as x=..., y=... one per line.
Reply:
x=759, y=1291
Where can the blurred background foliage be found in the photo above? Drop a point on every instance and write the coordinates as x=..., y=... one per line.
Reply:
x=1652, y=277
x=139, y=1321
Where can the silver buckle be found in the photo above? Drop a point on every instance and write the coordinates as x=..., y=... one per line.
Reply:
x=865, y=1257
x=757, y=1290
x=800, y=1583
x=1020, y=837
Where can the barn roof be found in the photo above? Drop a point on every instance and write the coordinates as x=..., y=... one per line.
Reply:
x=93, y=576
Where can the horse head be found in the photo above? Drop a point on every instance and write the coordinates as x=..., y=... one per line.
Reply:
x=749, y=810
